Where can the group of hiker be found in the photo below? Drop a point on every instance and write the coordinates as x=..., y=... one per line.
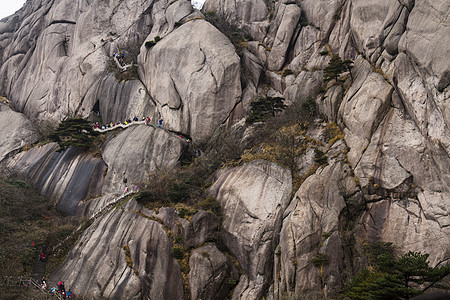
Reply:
x=42, y=284
x=96, y=125
x=136, y=189
x=120, y=58
x=60, y=290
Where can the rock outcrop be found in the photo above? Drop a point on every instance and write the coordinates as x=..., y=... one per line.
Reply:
x=124, y=254
x=67, y=177
x=193, y=75
x=135, y=153
x=212, y=274
x=253, y=199
x=311, y=231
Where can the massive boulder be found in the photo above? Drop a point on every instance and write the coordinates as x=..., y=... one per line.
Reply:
x=193, y=76
x=363, y=108
x=253, y=198
x=211, y=274
x=392, y=174
x=139, y=150
x=288, y=15
x=427, y=40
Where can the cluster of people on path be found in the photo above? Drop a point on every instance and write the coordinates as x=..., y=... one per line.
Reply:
x=120, y=56
x=96, y=125
x=136, y=189
x=62, y=290
x=43, y=255
x=43, y=286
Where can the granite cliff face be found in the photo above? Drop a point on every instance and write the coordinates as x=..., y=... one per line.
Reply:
x=387, y=179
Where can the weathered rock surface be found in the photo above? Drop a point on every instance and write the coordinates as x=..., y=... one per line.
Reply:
x=310, y=229
x=253, y=198
x=123, y=255
x=408, y=217
x=427, y=40
x=118, y=101
x=289, y=14
x=193, y=75
x=246, y=15
x=371, y=96
x=15, y=131
x=136, y=152
x=211, y=273
x=55, y=59
x=67, y=177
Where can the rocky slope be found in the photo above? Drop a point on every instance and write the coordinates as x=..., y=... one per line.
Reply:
x=388, y=179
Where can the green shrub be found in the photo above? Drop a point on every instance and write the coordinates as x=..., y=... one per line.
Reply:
x=177, y=252
x=287, y=72
x=326, y=234
x=209, y=204
x=309, y=109
x=237, y=37
x=320, y=157
x=178, y=192
x=320, y=259
x=184, y=212
x=388, y=277
x=144, y=197
x=264, y=108
x=230, y=281
x=74, y=133
x=336, y=67
x=150, y=44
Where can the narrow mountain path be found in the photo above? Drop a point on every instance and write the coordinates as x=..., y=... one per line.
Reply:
x=39, y=267
x=143, y=122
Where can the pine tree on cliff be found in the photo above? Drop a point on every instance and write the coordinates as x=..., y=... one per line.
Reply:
x=264, y=108
x=74, y=133
x=389, y=278
x=336, y=67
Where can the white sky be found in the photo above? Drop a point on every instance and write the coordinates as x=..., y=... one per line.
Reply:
x=8, y=7
x=196, y=3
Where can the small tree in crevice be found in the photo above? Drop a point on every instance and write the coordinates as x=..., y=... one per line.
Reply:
x=264, y=108
x=336, y=67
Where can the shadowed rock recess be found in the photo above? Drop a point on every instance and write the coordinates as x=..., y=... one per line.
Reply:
x=382, y=130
